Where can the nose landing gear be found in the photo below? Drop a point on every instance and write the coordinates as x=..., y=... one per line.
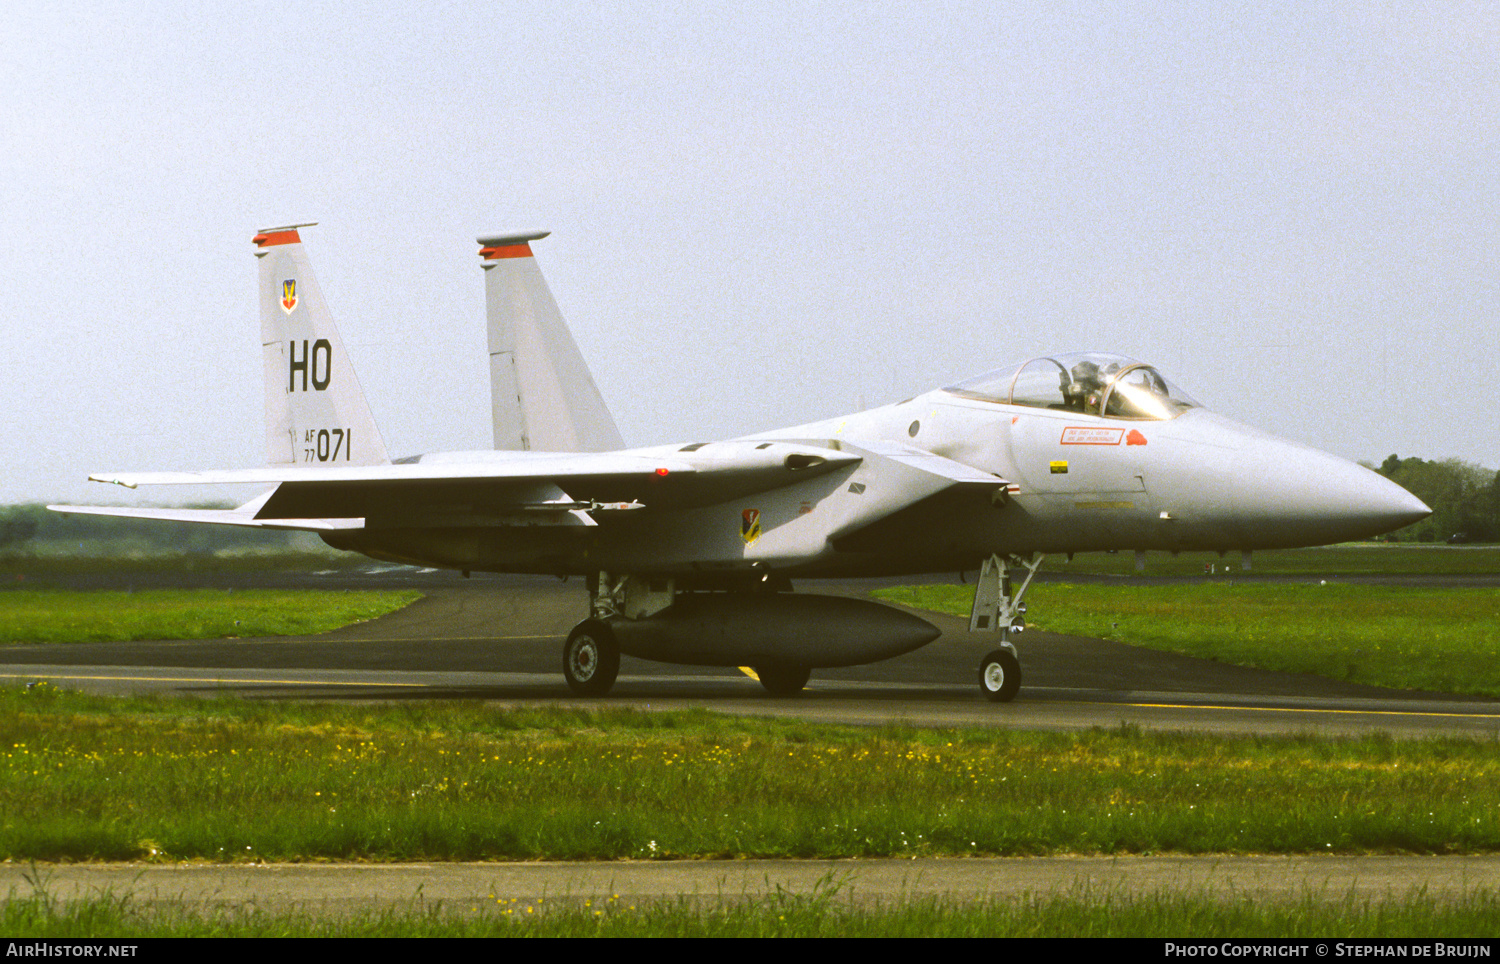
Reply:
x=1000, y=676
x=998, y=605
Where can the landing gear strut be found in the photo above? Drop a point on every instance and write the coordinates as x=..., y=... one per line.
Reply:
x=998, y=605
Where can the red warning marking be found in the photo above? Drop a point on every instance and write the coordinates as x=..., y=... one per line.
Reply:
x=276, y=237
x=1087, y=435
x=1135, y=438
x=506, y=251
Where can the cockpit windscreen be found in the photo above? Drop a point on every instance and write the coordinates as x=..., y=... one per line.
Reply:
x=1091, y=383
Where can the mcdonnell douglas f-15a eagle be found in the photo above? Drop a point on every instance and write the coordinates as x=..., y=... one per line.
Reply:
x=689, y=550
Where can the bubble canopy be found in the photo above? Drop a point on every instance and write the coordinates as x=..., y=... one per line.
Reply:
x=1091, y=383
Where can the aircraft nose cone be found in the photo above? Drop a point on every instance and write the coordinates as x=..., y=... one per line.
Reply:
x=1225, y=484
x=1362, y=499
x=1399, y=507
x=1311, y=497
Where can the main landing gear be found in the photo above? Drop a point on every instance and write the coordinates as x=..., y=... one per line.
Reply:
x=591, y=658
x=998, y=606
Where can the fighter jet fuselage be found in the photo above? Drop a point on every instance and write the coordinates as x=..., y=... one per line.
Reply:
x=689, y=548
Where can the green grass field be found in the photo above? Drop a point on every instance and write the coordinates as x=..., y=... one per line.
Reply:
x=92, y=778
x=1440, y=640
x=56, y=616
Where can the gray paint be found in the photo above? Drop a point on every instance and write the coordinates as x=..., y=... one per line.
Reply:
x=542, y=396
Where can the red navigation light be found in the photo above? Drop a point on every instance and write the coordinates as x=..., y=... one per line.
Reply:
x=661, y=471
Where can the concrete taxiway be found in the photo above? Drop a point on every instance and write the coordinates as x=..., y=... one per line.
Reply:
x=464, y=888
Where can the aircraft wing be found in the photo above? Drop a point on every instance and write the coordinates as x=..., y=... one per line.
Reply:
x=508, y=488
x=498, y=486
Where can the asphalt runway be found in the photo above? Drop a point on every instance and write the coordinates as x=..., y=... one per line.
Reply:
x=499, y=639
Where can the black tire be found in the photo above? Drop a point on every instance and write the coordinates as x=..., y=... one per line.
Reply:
x=783, y=680
x=1000, y=676
x=591, y=658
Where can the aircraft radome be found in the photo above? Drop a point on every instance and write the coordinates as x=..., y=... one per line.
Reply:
x=689, y=550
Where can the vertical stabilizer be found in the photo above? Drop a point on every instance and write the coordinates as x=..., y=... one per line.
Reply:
x=315, y=411
x=542, y=395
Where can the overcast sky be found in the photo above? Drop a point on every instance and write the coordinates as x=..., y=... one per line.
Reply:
x=761, y=215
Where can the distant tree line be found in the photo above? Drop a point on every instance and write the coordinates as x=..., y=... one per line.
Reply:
x=28, y=528
x=1465, y=499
